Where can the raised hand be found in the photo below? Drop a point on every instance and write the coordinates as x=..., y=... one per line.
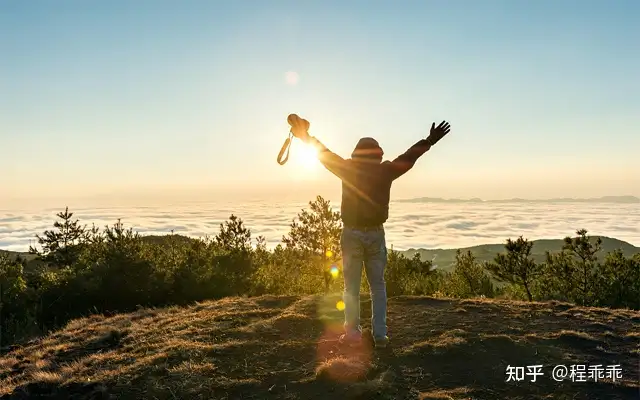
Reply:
x=438, y=132
x=299, y=126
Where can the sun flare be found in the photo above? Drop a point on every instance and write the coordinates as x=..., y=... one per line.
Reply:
x=305, y=156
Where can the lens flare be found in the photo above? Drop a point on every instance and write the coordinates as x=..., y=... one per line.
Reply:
x=340, y=305
x=292, y=77
x=329, y=253
x=334, y=271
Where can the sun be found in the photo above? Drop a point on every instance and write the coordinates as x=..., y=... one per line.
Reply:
x=304, y=156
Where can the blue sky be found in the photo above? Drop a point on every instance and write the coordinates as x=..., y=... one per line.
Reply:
x=191, y=97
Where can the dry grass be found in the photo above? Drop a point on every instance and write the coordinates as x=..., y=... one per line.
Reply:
x=286, y=347
x=343, y=369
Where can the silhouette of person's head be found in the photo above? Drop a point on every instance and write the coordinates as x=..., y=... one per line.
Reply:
x=367, y=149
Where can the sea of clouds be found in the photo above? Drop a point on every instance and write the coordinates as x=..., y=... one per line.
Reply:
x=411, y=225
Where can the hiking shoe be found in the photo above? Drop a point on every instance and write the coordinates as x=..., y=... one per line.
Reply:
x=351, y=339
x=381, y=343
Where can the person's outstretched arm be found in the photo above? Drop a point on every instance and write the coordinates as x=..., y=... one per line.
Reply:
x=406, y=161
x=331, y=161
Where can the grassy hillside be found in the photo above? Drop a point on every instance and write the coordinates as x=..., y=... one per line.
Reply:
x=443, y=258
x=286, y=348
x=13, y=254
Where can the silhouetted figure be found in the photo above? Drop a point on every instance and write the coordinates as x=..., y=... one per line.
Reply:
x=366, y=188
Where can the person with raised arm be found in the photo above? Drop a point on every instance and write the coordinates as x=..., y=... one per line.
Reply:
x=366, y=188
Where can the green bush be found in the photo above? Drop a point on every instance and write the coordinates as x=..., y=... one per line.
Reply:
x=469, y=278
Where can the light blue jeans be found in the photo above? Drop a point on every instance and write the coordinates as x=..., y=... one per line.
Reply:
x=368, y=248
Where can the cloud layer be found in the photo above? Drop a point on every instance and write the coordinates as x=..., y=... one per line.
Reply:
x=410, y=225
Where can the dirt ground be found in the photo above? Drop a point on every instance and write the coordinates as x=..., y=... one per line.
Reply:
x=286, y=348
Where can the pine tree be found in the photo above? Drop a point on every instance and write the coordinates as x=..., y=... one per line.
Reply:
x=61, y=246
x=516, y=265
x=316, y=233
x=234, y=235
x=585, y=266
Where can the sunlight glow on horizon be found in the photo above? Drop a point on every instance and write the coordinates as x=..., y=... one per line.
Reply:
x=158, y=101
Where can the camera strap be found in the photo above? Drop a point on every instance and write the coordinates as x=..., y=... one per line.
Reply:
x=286, y=146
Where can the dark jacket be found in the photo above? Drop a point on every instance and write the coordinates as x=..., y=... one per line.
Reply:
x=366, y=180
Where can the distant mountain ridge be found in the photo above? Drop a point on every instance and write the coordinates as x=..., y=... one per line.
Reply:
x=445, y=258
x=603, y=199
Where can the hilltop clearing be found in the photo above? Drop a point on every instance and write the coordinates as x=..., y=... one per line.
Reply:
x=285, y=348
